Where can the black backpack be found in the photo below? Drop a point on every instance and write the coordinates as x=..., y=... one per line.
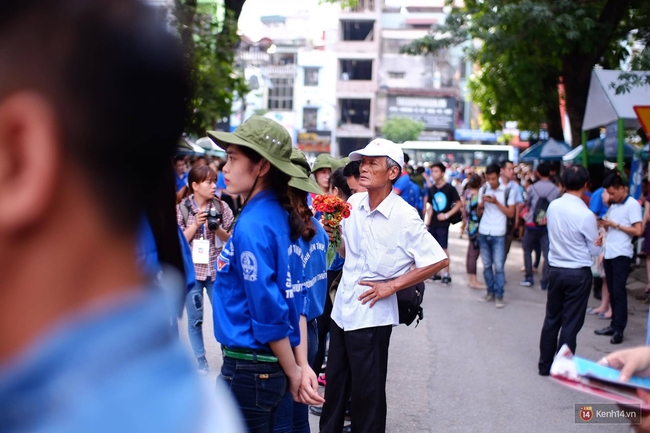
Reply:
x=539, y=212
x=409, y=304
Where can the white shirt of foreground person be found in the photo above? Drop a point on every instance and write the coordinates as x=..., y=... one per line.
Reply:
x=380, y=245
x=572, y=231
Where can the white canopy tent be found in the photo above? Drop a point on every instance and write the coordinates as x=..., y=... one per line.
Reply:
x=604, y=106
x=607, y=108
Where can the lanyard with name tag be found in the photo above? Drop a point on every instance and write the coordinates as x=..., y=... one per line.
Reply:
x=201, y=251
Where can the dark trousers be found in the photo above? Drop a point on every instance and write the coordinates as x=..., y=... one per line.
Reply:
x=356, y=369
x=566, y=306
x=472, y=256
x=616, y=272
x=532, y=237
x=324, y=325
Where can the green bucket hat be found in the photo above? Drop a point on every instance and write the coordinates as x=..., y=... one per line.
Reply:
x=266, y=137
x=339, y=163
x=300, y=161
x=323, y=160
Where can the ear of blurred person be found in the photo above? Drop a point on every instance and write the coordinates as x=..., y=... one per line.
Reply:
x=92, y=104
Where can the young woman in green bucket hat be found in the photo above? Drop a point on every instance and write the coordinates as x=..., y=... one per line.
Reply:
x=256, y=316
x=308, y=271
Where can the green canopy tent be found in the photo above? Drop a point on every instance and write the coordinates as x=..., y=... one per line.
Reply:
x=186, y=147
x=597, y=154
x=210, y=148
x=549, y=150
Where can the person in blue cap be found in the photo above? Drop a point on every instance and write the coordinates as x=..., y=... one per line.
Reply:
x=309, y=277
x=256, y=313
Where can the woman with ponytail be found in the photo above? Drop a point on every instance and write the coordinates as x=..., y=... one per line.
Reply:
x=256, y=311
x=308, y=262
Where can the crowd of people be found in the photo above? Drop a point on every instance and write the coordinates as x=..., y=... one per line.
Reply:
x=124, y=251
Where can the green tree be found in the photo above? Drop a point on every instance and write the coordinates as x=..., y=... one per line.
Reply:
x=401, y=129
x=210, y=41
x=526, y=48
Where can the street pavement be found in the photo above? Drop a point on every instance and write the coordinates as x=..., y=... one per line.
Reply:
x=470, y=367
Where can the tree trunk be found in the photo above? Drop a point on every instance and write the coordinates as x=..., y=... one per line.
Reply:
x=577, y=65
x=554, y=122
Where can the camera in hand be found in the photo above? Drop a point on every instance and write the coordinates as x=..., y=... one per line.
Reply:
x=214, y=219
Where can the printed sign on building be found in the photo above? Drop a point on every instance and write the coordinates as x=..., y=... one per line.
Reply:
x=436, y=113
x=315, y=141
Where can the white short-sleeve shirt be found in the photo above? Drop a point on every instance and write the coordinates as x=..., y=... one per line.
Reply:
x=493, y=222
x=380, y=245
x=626, y=214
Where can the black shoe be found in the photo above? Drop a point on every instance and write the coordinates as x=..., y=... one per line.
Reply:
x=544, y=372
x=436, y=277
x=446, y=280
x=316, y=410
x=617, y=338
x=606, y=331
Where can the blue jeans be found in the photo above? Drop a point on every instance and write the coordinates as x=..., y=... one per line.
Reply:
x=194, y=308
x=493, y=254
x=258, y=388
x=293, y=416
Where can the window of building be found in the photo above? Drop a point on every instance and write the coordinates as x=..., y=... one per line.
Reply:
x=355, y=30
x=309, y=118
x=396, y=75
x=355, y=111
x=356, y=70
x=281, y=95
x=311, y=76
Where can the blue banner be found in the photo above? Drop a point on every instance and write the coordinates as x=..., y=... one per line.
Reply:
x=636, y=176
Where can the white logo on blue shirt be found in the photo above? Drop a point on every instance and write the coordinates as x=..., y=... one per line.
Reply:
x=440, y=200
x=249, y=266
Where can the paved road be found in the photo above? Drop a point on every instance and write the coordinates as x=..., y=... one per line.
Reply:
x=471, y=367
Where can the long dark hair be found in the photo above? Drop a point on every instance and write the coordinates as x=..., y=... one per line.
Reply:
x=298, y=200
x=338, y=179
x=279, y=183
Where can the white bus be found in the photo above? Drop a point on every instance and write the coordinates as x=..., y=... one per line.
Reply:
x=453, y=152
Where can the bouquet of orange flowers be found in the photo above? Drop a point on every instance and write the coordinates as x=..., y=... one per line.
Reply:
x=334, y=210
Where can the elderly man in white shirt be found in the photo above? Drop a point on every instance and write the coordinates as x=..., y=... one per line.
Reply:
x=387, y=248
x=573, y=241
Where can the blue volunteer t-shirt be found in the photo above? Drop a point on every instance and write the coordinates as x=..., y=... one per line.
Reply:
x=254, y=302
x=596, y=204
x=309, y=272
x=405, y=188
x=181, y=181
x=221, y=181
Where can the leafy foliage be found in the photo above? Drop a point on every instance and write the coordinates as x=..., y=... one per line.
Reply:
x=401, y=129
x=210, y=46
x=525, y=48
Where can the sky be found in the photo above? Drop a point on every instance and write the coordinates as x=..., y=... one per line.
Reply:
x=249, y=21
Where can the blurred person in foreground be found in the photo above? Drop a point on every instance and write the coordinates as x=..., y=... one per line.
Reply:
x=96, y=352
x=635, y=361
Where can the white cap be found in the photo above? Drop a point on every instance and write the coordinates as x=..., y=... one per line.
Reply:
x=380, y=147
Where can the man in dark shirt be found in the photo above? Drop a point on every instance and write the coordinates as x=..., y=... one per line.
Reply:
x=443, y=203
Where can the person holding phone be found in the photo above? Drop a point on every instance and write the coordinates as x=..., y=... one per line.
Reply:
x=496, y=203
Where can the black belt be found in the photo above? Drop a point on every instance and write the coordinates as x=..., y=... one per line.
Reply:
x=248, y=355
